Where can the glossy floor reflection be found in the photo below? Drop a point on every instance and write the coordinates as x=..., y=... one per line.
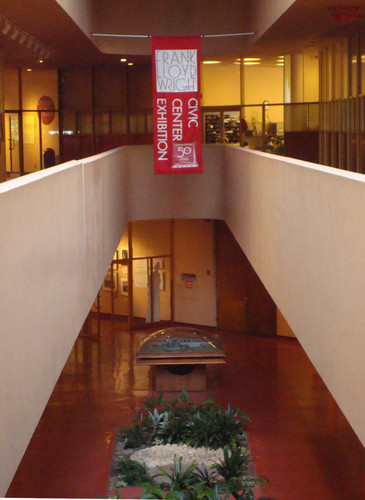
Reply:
x=299, y=438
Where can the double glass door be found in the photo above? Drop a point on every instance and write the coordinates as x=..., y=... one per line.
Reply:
x=221, y=126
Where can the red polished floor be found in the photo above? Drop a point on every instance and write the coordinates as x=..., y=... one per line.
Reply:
x=299, y=438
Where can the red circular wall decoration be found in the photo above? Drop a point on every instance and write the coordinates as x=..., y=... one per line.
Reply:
x=344, y=14
x=46, y=105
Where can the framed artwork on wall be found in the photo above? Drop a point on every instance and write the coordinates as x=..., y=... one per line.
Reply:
x=110, y=280
x=124, y=286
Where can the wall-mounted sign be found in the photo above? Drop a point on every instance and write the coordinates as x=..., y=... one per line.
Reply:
x=188, y=277
x=47, y=106
x=176, y=105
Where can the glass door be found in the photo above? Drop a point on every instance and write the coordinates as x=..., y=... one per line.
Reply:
x=12, y=142
x=151, y=290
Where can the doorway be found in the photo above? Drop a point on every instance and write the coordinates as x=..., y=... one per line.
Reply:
x=243, y=303
x=12, y=144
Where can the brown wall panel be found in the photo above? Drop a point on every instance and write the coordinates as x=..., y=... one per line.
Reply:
x=243, y=303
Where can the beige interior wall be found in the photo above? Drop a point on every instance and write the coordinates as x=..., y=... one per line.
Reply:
x=221, y=84
x=300, y=226
x=194, y=254
x=311, y=77
x=263, y=83
x=195, y=196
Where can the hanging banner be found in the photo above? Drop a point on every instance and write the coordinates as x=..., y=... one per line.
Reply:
x=176, y=105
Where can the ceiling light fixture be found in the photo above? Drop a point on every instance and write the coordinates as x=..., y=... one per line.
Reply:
x=252, y=59
x=123, y=59
x=212, y=62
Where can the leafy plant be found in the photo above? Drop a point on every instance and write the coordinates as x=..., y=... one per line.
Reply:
x=234, y=463
x=206, y=477
x=204, y=425
x=178, y=477
x=157, y=419
x=153, y=491
x=132, y=473
x=151, y=403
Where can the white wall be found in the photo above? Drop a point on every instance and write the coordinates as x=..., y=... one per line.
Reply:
x=194, y=196
x=301, y=226
x=58, y=232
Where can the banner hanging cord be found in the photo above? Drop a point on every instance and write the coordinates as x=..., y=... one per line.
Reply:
x=150, y=36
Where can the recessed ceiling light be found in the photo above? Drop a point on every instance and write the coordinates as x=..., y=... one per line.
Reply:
x=29, y=69
x=123, y=59
x=212, y=62
x=251, y=63
x=130, y=64
x=252, y=59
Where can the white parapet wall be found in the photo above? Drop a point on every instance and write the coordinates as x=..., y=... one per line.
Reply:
x=59, y=229
x=302, y=228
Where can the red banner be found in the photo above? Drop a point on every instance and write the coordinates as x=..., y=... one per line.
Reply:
x=176, y=105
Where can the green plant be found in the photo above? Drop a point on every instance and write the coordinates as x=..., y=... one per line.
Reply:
x=206, y=477
x=242, y=488
x=214, y=428
x=179, y=478
x=151, y=403
x=130, y=472
x=202, y=492
x=234, y=463
x=204, y=425
x=153, y=491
